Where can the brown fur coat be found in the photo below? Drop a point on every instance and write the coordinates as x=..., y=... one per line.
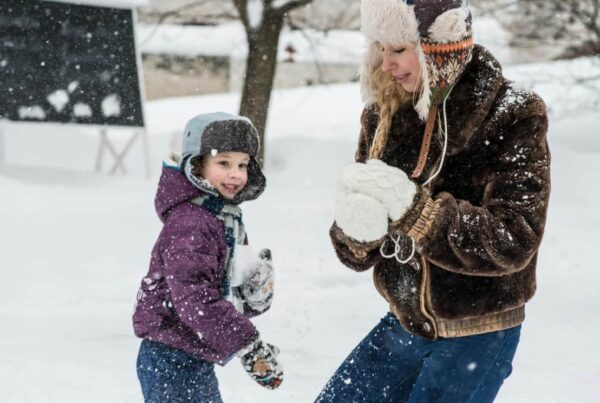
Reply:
x=480, y=230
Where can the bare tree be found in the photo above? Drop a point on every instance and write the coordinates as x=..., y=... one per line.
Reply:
x=188, y=12
x=327, y=15
x=574, y=24
x=263, y=21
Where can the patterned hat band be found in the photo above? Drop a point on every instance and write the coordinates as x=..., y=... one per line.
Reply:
x=445, y=64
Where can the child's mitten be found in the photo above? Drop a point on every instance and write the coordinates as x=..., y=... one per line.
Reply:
x=257, y=289
x=259, y=359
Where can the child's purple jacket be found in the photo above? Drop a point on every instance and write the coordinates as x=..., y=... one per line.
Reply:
x=179, y=302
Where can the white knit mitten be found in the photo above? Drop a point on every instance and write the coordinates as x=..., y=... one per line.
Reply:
x=361, y=217
x=388, y=185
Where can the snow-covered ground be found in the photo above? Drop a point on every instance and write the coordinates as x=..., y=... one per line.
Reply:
x=75, y=245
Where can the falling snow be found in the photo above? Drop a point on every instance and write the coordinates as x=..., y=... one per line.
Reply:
x=87, y=293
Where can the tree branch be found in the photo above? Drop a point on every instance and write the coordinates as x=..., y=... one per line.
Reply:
x=242, y=9
x=176, y=12
x=491, y=10
x=292, y=4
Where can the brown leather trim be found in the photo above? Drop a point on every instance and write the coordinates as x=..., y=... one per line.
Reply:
x=353, y=243
x=408, y=220
x=425, y=143
x=483, y=324
x=425, y=220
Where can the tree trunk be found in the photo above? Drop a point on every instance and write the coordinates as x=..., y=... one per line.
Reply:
x=260, y=73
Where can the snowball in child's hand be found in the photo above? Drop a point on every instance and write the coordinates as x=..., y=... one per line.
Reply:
x=245, y=261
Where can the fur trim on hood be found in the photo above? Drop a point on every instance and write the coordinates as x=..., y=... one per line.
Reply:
x=220, y=132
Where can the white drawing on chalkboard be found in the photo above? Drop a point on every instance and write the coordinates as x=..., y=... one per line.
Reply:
x=111, y=105
x=82, y=110
x=32, y=112
x=58, y=99
x=73, y=86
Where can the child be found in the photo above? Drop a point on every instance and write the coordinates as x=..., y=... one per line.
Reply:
x=193, y=306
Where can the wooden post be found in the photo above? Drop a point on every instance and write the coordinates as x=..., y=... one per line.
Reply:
x=2, y=147
x=100, y=154
x=119, y=156
x=146, y=151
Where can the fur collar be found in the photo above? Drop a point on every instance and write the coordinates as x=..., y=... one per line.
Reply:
x=473, y=97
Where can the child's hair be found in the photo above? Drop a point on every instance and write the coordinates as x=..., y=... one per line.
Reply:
x=197, y=163
x=390, y=96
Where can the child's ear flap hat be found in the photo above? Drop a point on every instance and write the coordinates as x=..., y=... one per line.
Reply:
x=219, y=132
x=441, y=32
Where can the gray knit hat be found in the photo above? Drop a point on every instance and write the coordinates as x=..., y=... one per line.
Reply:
x=219, y=132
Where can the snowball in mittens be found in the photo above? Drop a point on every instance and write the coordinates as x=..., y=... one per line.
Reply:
x=388, y=185
x=361, y=217
x=245, y=260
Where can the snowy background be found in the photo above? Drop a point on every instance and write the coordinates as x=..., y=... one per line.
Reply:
x=75, y=245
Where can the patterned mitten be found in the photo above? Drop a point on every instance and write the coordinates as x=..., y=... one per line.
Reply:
x=257, y=288
x=259, y=359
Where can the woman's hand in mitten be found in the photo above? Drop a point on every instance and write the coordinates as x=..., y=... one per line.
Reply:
x=257, y=288
x=388, y=185
x=259, y=359
x=361, y=218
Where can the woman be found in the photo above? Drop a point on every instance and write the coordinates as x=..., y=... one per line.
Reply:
x=448, y=201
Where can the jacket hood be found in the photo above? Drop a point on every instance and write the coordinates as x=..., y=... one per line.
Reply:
x=218, y=132
x=173, y=189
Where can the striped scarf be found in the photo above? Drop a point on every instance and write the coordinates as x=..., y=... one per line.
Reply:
x=235, y=233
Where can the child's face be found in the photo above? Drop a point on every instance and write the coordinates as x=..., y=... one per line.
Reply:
x=227, y=172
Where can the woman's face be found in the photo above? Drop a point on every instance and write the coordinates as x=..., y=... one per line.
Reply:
x=402, y=62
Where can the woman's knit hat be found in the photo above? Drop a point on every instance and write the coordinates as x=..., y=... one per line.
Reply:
x=441, y=31
x=220, y=132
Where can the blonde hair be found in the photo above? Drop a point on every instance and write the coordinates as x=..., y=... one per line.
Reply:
x=390, y=96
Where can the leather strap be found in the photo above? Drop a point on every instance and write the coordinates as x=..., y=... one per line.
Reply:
x=426, y=143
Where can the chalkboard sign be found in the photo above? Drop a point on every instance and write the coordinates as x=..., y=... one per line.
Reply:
x=68, y=63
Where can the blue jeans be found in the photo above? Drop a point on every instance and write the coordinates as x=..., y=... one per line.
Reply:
x=169, y=375
x=392, y=365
